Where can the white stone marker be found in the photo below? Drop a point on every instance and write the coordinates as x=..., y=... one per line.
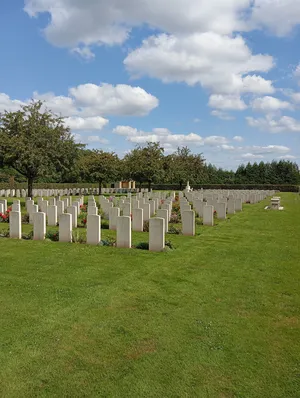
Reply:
x=238, y=204
x=124, y=232
x=15, y=225
x=65, y=228
x=4, y=203
x=146, y=208
x=39, y=226
x=15, y=207
x=231, y=206
x=208, y=215
x=221, y=210
x=73, y=211
x=156, y=234
x=92, y=210
x=137, y=220
x=114, y=213
x=152, y=207
x=127, y=209
x=33, y=210
x=60, y=207
x=93, y=233
x=66, y=202
x=164, y=213
x=44, y=206
x=52, y=202
x=188, y=223
x=52, y=215
x=1, y=208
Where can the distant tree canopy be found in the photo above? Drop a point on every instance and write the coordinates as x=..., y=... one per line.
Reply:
x=36, y=145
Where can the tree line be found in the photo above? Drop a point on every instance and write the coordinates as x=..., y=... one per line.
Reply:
x=36, y=146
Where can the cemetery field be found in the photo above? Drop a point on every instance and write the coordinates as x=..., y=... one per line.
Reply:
x=219, y=316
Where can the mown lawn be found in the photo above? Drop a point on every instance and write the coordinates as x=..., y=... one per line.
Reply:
x=217, y=317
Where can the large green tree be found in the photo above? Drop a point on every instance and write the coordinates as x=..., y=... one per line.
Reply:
x=36, y=143
x=183, y=166
x=99, y=166
x=145, y=163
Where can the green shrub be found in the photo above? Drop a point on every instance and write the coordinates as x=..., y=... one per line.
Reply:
x=108, y=241
x=53, y=235
x=28, y=236
x=4, y=233
x=142, y=246
x=174, y=231
x=104, y=224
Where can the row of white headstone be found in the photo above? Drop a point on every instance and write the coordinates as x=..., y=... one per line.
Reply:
x=143, y=208
x=23, y=193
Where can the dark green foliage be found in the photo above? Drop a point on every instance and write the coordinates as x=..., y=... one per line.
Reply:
x=142, y=246
x=35, y=143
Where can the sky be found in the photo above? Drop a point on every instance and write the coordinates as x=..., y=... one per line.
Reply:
x=219, y=76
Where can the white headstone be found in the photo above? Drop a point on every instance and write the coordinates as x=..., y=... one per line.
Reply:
x=39, y=226
x=65, y=228
x=15, y=225
x=156, y=234
x=137, y=220
x=93, y=233
x=124, y=232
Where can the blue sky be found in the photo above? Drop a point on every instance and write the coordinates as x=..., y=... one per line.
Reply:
x=219, y=76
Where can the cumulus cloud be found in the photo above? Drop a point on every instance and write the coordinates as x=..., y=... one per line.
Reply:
x=275, y=125
x=238, y=138
x=88, y=22
x=251, y=156
x=227, y=102
x=86, y=104
x=83, y=52
x=287, y=157
x=222, y=115
x=279, y=16
x=219, y=63
x=270, y=104
x=89, y=123
x=168, y=139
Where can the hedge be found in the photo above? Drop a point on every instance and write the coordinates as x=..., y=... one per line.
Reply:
x=158, y=187
x=176, y=187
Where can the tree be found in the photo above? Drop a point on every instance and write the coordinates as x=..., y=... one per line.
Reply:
x=145, y=164
x=36, y=143
x=99, y=166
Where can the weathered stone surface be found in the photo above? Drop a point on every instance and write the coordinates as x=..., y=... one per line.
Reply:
x=164, y=213
x=15, y=226
x=93, y=235
x=156, y=234
x=137, y=220
x=65, y=228
x=39, y=226
x=188, y=223
x=124, y=232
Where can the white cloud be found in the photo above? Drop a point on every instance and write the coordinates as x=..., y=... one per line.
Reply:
x=275, y=125
x=251, y=156
x=168, y=139
x=287, y=157
x=297, y=71
x=97, y=139
x=227, y=102
x=7, y=104
x=84, y=52
x=279, y=16
x=86, y=104
x=122, y=100
x=88, y=22
x=270, y=104
x=222, y=115
x=295, y=97
x=88, y=123
x=216, y=62
x=196, y=120
x=238, y=138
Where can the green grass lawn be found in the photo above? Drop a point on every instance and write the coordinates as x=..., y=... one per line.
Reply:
x=217, y=317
